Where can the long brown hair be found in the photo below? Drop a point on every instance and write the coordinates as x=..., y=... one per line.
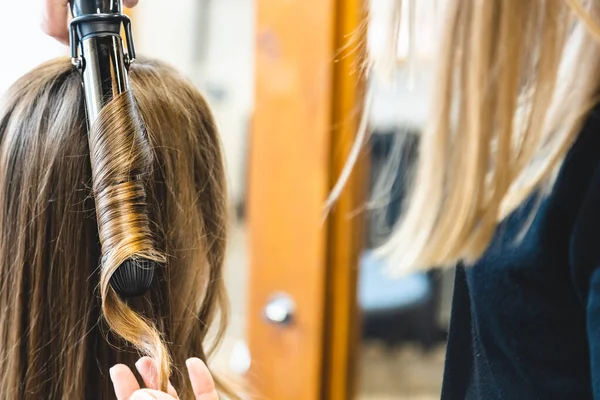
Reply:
x=514, y=83
x=152, y=188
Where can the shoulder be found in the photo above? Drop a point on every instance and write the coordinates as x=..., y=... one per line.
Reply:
x=579, y=181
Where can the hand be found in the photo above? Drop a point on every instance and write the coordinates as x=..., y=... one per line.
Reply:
x=56, y=15
x=127, y=388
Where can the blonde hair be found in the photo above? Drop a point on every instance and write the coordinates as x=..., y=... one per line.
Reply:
x=146, y=183
x=514, y=83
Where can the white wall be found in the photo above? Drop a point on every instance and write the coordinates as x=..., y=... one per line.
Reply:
x=211, y=42
x=163, y=30
x=22, y=43
x=229, y=71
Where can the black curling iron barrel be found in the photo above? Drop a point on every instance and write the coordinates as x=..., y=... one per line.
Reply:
x=95, y=31
x=97, y=51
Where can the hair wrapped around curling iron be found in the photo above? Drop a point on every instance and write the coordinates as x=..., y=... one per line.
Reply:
x=121, y=158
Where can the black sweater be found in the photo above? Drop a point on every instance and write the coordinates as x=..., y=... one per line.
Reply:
x=525, y=319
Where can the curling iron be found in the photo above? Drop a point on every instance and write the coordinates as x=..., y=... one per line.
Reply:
x=97, y=51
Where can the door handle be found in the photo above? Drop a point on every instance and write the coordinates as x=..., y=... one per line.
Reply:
x=280, y=309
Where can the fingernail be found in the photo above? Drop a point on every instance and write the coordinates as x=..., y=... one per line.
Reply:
x=112, y=372
x=192, y=360
x=142, y=364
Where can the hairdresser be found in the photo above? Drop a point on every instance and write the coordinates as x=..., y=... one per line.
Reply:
x=55, y=23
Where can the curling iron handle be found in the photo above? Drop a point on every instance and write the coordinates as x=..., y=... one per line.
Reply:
x=97, y=50
x=99, y=9
x=87, y=7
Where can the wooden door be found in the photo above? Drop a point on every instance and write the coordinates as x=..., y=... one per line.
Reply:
x=308, y=105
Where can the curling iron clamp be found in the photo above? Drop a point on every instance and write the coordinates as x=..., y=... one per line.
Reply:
x=97, y=51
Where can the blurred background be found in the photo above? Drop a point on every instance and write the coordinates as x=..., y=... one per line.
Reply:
x=313, y=315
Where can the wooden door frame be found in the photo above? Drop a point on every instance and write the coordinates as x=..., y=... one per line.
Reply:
x=308, y=105
x=346, y=224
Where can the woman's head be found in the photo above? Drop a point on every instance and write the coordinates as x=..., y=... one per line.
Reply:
x=147, y=184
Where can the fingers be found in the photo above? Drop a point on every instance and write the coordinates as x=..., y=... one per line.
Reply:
x=54, y=19
x=147, y=370
x=127, y=388
x=202, y=381
x=130, y=3
x=123, y=381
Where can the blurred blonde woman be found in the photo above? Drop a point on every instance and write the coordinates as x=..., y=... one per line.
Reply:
x=508, y=185
x=507, y=188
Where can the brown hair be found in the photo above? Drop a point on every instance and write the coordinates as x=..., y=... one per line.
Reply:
x=149, y=183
